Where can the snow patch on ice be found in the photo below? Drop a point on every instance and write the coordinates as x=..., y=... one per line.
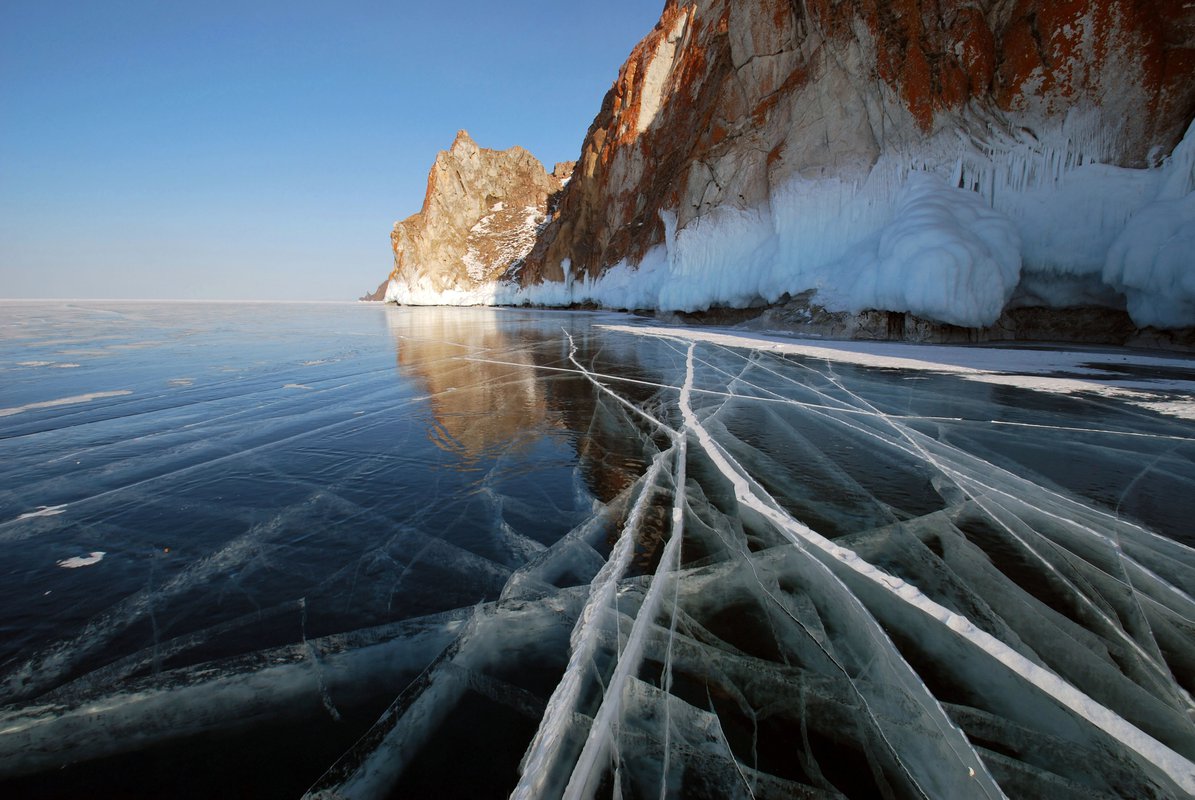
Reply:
x=63, y=401
x=75, y=562
x=43, y=511
x=1183, y=409
x=1056, y=371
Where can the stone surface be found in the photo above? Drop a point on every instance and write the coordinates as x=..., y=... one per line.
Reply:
x=480, y=216
x=726, y=99
x=377, y=294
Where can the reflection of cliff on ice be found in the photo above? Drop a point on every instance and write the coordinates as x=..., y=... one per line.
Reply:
x=479, y=405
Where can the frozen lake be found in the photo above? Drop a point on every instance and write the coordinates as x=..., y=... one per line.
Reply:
x=354, y=550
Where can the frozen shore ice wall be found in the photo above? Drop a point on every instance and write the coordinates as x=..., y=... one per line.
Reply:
x=951, y=235
x=753, y=149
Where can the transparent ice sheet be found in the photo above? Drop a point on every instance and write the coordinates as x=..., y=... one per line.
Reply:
x=505, y=553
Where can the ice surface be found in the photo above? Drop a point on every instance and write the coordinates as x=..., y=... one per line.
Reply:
x=547, y=554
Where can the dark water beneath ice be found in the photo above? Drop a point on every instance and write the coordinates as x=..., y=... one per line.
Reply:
x=369, y=552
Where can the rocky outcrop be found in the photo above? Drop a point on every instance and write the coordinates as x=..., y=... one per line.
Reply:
x=774, y=137
x=950, y=159
x=480, y=217
x=377, y=294
x=726, y=101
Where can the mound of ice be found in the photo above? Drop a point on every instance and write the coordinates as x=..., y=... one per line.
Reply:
x=1153, y=263
x=946, y=255
x=1153, y=259
x=422, y=291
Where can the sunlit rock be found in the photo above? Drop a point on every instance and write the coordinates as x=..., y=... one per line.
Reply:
x=480, y=218
x=781, y=136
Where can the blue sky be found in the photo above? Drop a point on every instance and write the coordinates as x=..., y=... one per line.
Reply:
x=241, y=150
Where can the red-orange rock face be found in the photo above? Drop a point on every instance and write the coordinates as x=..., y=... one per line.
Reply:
x=726, y=99
x=1055, y=53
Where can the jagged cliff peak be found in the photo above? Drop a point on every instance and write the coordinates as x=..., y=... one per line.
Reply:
x=480, y=216
x=563, y=170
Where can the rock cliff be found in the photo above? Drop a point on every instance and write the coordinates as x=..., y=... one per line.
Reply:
x=480, y=218
x=377, y=294
x=948, y=158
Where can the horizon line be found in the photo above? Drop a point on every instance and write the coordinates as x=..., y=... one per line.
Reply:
x=166, y=300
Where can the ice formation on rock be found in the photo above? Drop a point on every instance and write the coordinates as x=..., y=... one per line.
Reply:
x=754, y=150
x=903, y=239
x=1152, y=260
